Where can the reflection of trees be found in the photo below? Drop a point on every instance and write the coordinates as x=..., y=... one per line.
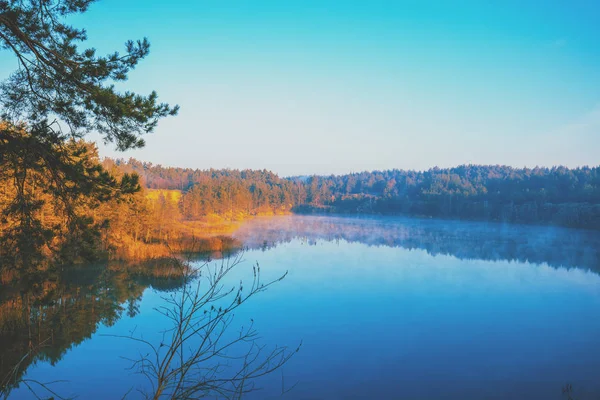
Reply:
x=41, y=320
x=465, y=240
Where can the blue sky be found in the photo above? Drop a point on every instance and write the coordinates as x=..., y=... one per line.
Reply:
x=302, y=87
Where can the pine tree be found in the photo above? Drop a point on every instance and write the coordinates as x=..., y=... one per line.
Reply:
x=59, y=93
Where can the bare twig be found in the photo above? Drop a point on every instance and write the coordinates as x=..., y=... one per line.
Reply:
x=200, y=356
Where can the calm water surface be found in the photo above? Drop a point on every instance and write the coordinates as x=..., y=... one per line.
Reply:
x=386, y=308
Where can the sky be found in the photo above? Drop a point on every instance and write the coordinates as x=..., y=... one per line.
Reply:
x=331, y=87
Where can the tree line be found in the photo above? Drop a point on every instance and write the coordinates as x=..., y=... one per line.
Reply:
x=219, y=191
x=557, y=195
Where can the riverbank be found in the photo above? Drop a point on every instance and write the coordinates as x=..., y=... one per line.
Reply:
x=209, y=235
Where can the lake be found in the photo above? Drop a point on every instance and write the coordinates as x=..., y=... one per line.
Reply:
x=385, y=308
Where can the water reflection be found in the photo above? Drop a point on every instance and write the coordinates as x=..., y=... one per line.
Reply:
x=427, y=327
x=42, y=317
x=478, y=311
x=557, y=247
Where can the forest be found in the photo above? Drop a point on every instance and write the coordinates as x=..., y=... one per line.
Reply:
x=557, y=195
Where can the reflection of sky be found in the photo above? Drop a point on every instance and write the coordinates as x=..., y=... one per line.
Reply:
x=393, y=322
x=378, y=321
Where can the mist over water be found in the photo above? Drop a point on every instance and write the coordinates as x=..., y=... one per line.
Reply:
x=386, y=308
x=556, y=247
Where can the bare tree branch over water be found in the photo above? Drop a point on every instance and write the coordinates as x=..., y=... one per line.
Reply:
x=201, y=355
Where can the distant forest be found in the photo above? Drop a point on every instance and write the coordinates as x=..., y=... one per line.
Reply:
x=558, y=195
